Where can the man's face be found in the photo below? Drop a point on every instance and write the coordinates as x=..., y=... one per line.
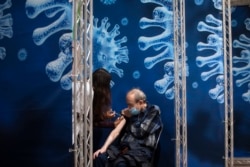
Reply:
x=132, y=103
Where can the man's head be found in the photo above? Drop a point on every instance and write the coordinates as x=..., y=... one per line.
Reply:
x=136, y=101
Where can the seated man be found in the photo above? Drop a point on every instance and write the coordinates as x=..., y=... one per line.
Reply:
x=138, y=127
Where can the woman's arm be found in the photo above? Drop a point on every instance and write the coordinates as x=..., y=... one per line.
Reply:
x=112, y=136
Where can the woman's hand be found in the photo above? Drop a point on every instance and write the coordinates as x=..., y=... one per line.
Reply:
x=109, y=114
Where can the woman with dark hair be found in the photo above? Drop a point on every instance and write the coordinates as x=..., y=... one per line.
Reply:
x=102, y=98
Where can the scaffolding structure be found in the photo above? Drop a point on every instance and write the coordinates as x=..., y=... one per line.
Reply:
x=82, y=83
x=230, y=160
x=180, y=83
x=240, y=2
x=228, y=82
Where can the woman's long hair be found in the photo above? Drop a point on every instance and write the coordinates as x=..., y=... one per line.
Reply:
x=102, y=94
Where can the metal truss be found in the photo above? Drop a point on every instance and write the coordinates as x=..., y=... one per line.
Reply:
x=228, y=83
x=82, y=83
x=240, y=2
x=180, y=82
x=230, y=160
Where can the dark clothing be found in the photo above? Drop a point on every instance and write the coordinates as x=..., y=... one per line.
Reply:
x=142, y=128
x=137, y=141
x=100, y=119
x=105, y=124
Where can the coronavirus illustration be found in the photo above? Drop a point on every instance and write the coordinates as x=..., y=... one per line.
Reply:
x=55, y=69
x=242, y=64
x=214, y=61
x=217, y=4
x=6, y=22
x=22, y=54
x=246, y=95
x=217, y=93
x=162, y=43
x=108, y=2
x=162, y=85
x=51, y=8
x=107, y=52
x=247, y=24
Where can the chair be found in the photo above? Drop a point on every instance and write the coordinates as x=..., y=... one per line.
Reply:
x=156, y=148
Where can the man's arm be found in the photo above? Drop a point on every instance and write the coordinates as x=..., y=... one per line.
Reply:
x=112, y=136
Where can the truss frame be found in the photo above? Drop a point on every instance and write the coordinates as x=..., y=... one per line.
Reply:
x=82, y=83
x=180, y=83
x=230, y=160
x=228, y=83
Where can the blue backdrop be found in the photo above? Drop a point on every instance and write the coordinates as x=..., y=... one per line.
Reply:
x=133, y=40
x=35, y=112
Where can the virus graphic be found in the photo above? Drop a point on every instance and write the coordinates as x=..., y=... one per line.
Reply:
x=5, y=26
x=217, y=93
x=22, y=54
x=246, y=95
x=162, y=84
x=247, y=23
x=51, y=8
x=55, y=69
x=162, y=43
x=108, y=2
x=107, y=51
x=218, y=4
x=214, y=61
x=244, y=61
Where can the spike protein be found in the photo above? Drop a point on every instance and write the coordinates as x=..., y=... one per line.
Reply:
x=55, y=69
x=163, y=43
x=243, y=60
x=6, y=22
x=51, y=8
x=214, y=61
